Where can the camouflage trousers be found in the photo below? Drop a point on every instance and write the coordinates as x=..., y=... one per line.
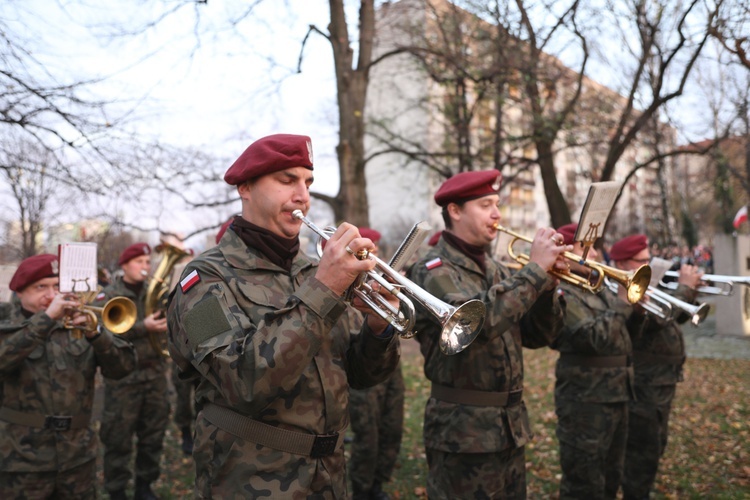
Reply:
x=76, y=483
x=476, y=476
x=142, y=410
x=184, y=411
x=592, y=448
x=647, y=440
x=377, y=418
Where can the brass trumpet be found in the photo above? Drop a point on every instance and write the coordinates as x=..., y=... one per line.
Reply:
x=118, y=316
x=635, y=283
x=460, y=324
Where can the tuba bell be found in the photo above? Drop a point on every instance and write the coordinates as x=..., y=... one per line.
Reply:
x=159, y=287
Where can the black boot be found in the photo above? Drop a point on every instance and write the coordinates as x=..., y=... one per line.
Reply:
x=143, y=491
x=377, y=493
x=117, y=495
x=187, y=441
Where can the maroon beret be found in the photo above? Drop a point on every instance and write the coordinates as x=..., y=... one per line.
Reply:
x=223, y=229
x=366, y=232
x=33, y=269
x=434, y=239
x=271, y=154
x=133, y=251
x=569, y=232
x=468, y=186
x=628, y=247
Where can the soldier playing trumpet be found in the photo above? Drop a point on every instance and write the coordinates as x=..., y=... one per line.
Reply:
x=268, y=335
x=47, y=442
x=476, y=424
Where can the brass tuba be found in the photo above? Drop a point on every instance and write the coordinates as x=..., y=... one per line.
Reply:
x=159, y=287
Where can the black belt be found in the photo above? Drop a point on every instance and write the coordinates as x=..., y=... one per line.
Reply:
x=595, y=361
x=297, y=443
x=476, y=398
x=54, y=422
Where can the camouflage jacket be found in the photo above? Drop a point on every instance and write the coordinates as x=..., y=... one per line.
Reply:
x=45, y=371
x=596, y=325
x=659, y=353
x=522, y=310
x=277, y=347
x=151, y=365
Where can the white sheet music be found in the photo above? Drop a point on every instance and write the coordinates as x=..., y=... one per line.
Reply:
x=599, y=202
x=658, y=268
x=77, y=267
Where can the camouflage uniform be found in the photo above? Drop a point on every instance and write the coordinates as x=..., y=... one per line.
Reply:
x=137, y=404
x=658, y=356
x=45, y=371
x=594, y=384
x=477, y=450
x=184, y=413
x=273, y=350
x=377, y=416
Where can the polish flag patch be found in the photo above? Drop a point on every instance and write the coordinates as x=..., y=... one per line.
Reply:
x=432, y=264
x=100, y=296
x=189, y=281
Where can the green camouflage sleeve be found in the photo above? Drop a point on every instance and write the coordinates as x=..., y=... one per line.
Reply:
x=114, y=355
x=250, y=363
x=526, y=297
x=20, y=340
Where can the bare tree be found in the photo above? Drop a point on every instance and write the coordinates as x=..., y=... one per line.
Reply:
x=25, y=167
x=732, y=29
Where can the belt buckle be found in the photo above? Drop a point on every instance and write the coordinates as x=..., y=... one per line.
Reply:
x=324, y=445
x=515, y=397
x=57, y=423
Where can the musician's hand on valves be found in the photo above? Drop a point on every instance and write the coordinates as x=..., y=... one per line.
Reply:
x=62, y=304
x=155, y=323
x=690, y=276
x=376, y=324
x=340, y=265
x=547, y=250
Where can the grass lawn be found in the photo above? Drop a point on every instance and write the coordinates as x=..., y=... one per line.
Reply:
x=708, y=455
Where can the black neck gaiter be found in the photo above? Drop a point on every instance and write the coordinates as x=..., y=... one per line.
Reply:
x=280, y=251
x=475, y=253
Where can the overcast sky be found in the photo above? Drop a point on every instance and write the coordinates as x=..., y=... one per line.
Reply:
x=205, y=86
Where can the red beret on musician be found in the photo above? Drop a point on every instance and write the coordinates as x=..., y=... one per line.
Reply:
x=569, y=232
x=372, y=234
x=271, y=154
x=628, y=247
x=468, y=186
x=33, y=269
x=133, y=251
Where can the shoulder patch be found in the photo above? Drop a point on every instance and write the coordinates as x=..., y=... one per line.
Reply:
x=100, y=296
x=205, y=320
x=432, y=264
x=190, y=280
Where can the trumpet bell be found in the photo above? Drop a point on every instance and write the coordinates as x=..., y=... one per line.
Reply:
x=462, y=327
x=119, y=315
x=700, y=314
x=637, y=283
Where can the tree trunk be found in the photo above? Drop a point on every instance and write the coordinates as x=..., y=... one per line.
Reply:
x=559, y=211
x=351, y=202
